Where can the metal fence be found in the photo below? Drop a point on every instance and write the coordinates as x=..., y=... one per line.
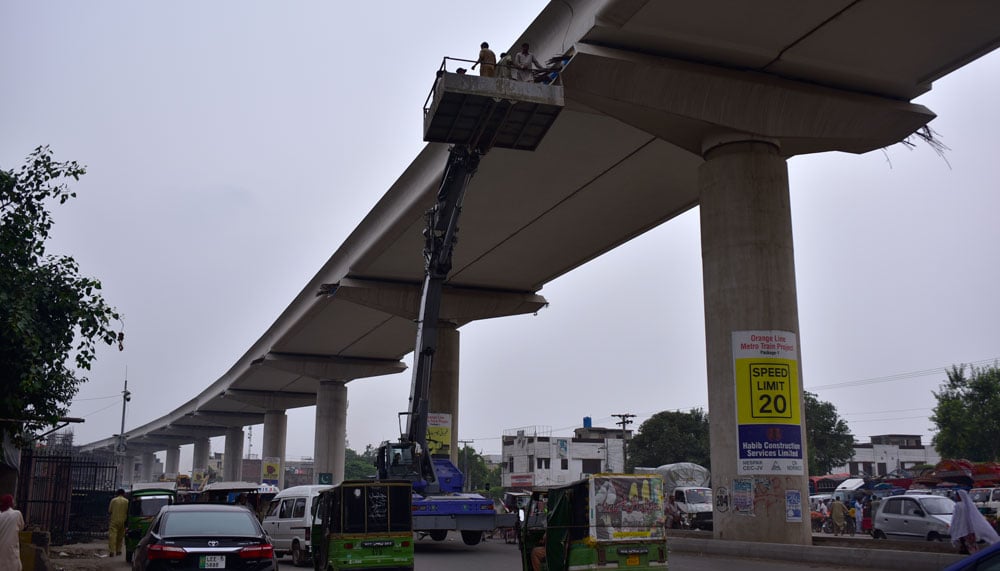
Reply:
x=66, y=496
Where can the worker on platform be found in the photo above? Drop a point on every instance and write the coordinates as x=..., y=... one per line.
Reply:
x=524, y=64
x=488, y=59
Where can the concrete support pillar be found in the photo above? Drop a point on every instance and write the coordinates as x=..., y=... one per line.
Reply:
x=199, y=460
x=444, y=381
x=232, y=459
x=146, y=470
x=173, y=463
x=749, y=280
x=330, y=445
x=273, y=449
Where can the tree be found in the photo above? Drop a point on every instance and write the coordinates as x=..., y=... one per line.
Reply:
x=828, y=437
x=671, y=436
x=967, y=414
x=360, y=466
x=49, y=313
x=479, y=475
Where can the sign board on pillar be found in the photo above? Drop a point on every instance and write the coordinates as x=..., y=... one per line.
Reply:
x=271, y=468
x=768, y=415
x=439, y=433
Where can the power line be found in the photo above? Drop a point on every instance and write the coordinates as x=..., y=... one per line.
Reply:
x=899, y=376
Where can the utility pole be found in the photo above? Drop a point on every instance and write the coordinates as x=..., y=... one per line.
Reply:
x=625, y=419
x=122, y=447
x=465, y=460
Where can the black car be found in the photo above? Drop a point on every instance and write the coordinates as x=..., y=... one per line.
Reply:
x=205, y=536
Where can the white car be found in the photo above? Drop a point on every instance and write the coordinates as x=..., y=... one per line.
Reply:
x=914, y=516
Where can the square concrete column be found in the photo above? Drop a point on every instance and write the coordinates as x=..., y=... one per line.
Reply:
x=749, y=281
x=199, y=460
x=330, y=444
x=232, y=459
x=443, y=393
x=273, y=449
x=173, y=463
x=146, y=468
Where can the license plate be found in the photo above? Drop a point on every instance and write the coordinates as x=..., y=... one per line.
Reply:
x=632, y=560
x=212, y=562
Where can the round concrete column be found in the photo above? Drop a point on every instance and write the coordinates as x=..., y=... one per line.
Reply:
x=146, y=468
x=273, y=449
x=330, y=445
x=749, y=280
x=199, y=460
x=173, y=463
x=232, y=459
x=444, y=381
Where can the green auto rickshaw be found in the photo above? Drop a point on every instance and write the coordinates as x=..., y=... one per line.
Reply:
x=145, y=501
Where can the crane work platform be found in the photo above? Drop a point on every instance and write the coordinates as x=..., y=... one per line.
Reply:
x=486, y=112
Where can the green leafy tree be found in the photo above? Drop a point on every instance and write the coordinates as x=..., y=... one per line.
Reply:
x=51, y=317
x=479, y=474
x=671, y=436
x=967, y=414
x=828, y=437
x=360, y=466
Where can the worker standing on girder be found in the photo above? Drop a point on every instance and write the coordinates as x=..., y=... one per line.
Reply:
x=524, y=64
x=488, y=59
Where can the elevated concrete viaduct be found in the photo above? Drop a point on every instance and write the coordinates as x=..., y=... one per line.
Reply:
x=669, y=105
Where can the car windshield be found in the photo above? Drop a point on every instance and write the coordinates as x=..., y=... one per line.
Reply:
x=149, y=505
x=699, y=496
x=980, y=495
x=238, y=523
x=938, y=506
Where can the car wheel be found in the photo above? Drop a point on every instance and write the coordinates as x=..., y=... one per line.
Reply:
x=299, y=558
x=878, y=534
x=472, y=537
x=439, y=534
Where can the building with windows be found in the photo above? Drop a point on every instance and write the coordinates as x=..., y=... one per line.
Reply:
x=532, y=457
x=887, y=453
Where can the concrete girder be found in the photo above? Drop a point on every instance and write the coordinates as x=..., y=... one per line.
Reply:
x=227, y=419
x=458, y=305
x=332, y=368
x=192, y=431
x=271, y=400
x=697, y=106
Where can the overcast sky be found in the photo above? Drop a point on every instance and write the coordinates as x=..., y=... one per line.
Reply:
x=232, y=146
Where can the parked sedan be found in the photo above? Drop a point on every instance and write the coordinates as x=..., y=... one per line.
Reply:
x=205, y=536
x=914, y=517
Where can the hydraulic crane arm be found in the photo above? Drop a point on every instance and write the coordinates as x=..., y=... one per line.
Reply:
x=440, y=236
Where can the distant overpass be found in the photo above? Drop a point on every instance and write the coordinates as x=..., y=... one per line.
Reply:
x=669, y=105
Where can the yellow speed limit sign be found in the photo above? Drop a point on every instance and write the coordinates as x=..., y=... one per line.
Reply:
x=767, y=378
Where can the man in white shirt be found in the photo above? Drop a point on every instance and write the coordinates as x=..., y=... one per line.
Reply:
x=523, y=62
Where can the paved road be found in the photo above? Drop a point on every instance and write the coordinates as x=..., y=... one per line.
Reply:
x=495, y=555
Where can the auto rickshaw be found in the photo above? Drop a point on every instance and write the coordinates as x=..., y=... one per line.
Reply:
x=363, y=524
x=144, y=503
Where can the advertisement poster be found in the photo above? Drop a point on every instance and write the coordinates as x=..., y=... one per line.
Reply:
x=793, y=506
x=768, y=392
x=439, y=433
x=626, y=507
x=562, y=446
x=271, y=468
x=742, y=496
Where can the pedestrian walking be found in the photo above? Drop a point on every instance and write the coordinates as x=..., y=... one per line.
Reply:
x=968, y=526
x=11, y=524
x=117, y=512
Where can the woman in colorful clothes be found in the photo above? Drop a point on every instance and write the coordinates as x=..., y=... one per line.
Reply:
x=968, y=526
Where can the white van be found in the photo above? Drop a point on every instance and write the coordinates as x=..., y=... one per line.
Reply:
x=289, y=522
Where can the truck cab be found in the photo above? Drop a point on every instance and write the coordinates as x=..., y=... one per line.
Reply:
x=695, y=506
